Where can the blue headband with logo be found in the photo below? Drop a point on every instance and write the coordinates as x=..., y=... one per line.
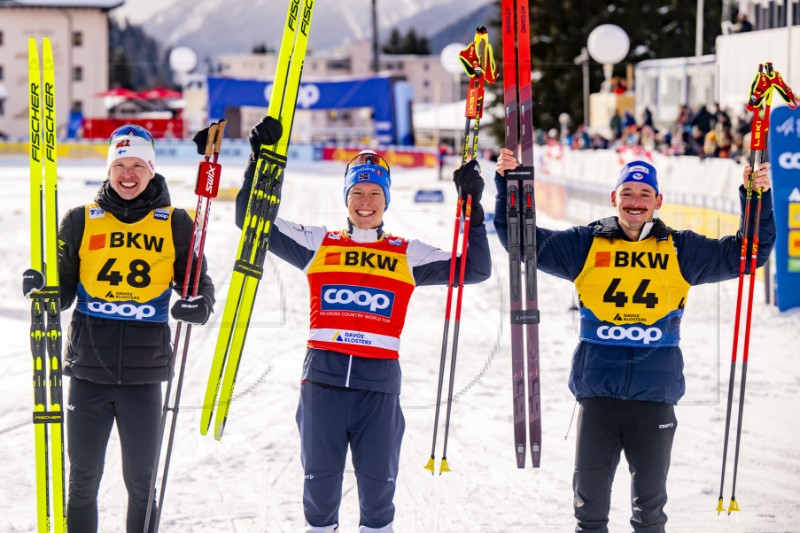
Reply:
x=641, y=172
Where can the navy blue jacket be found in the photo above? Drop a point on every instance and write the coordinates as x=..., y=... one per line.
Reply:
x=637, y=373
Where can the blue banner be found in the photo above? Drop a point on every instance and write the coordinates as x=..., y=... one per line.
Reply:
x=375, y=93
x=784, y=150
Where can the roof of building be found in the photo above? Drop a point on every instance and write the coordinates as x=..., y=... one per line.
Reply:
x=93, y=4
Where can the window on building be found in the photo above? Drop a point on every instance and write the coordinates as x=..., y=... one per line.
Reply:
x=77, y=73
x=1, y=72
x=77, y=106
x=425, y=83
x=77, y=38
x=1, y=38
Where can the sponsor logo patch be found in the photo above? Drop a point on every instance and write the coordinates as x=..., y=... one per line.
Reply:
x=633, y=333
x=125, y=310
x=359, y=299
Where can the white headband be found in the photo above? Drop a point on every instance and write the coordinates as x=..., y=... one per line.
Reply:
x=131, y=146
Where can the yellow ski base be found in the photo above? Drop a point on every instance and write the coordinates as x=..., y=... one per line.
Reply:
x=430, y=466
x=720, y=507
x=444, y=467
x=733, y=507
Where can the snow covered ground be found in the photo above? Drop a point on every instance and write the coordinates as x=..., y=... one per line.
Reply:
x=251, y=481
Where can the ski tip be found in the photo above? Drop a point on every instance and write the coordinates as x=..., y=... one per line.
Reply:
x=733, y=507
x=429, y=465
x=720, y=506
x=444, y=467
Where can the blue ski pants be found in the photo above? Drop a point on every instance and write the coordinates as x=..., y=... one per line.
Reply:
x=371, y=423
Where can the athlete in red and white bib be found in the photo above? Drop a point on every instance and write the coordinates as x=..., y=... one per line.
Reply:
x=361, y=279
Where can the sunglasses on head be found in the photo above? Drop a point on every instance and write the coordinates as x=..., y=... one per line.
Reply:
x=132, y=130
x=368, y=157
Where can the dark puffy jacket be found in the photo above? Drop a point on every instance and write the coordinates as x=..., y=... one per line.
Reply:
x=121, y=351
x=637, y=373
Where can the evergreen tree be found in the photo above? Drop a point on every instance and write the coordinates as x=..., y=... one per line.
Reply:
x=410, y=43
x=560, y=29
x=119, y=73
x=137, y=60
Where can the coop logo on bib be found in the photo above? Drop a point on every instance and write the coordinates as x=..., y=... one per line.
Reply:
x=121, y=310
x=358, y=299
x=630, y=333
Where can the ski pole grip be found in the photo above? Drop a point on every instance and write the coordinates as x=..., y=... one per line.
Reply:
x=208, y=175
x=218, y=139
x=212, y=134
x=519, y=173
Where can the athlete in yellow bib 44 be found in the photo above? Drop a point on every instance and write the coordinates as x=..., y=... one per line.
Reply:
x=121, y=257
x=360, y=280
x=632, y=274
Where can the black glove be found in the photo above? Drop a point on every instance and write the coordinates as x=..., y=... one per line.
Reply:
x=192, y=310
x=32, y=280
x=200, y=140
x=469, y=180
x=268, y=131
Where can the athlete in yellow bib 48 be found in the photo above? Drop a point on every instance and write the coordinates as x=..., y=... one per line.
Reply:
x=632, y=274
x=121, y=257
x=360, y=278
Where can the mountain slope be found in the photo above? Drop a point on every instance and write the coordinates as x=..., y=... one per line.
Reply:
x=211, y=27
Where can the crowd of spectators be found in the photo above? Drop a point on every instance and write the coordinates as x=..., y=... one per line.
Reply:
x=702, y=131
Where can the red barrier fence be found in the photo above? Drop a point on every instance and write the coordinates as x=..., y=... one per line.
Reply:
x=399, y=158
x=161, y=128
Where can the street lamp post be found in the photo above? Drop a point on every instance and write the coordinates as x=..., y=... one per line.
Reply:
x=583, y=60
x=608, y=44
x=182, y=60
x=374, y=36
x=698, y=37
x=450, y=63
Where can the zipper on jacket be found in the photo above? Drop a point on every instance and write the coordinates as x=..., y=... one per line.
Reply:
x=629, y=372
x=349, y=368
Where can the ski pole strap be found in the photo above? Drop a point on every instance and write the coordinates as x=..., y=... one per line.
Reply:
x=48, y=417
x=778, y=84
x=758, y=89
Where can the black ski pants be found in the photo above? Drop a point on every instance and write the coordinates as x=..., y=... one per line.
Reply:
x=92, y=409
x=644, y=431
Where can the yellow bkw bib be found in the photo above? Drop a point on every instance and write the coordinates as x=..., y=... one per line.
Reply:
x=632, y=293
x=126, y=270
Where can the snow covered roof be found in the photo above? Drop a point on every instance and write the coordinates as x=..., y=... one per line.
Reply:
x=96, y=4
